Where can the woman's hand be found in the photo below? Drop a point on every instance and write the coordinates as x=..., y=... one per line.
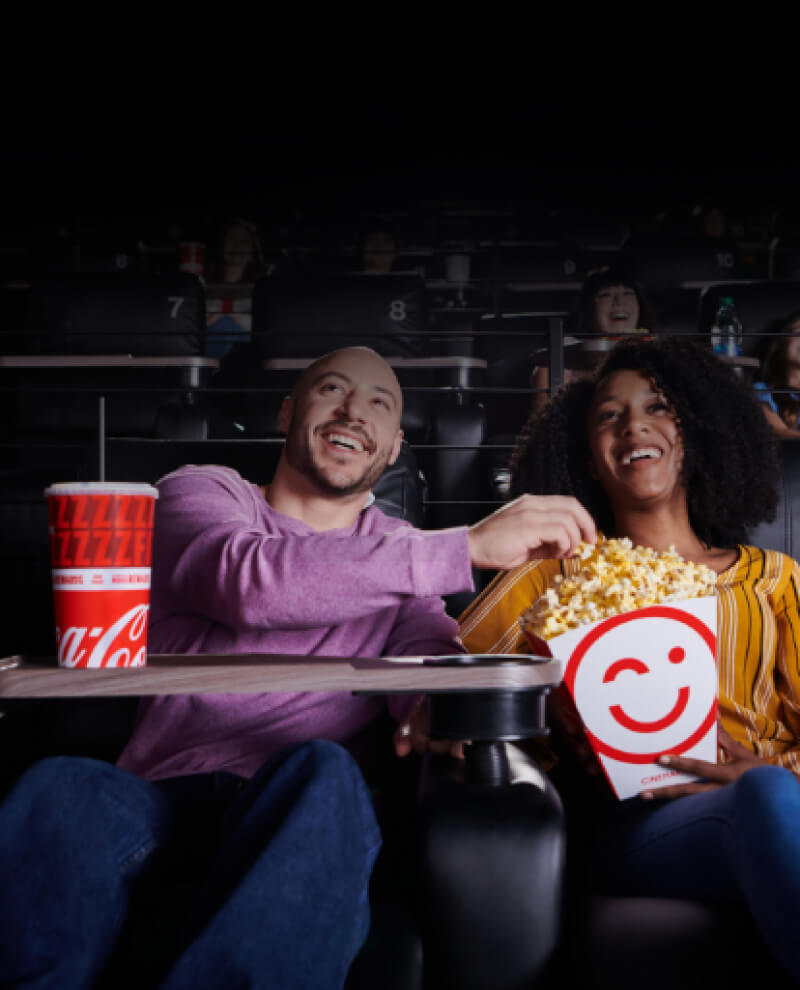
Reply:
x=737, y=760
x=413, y=735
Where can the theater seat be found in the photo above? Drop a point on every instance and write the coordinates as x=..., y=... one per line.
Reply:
x=661, y=943
x=781, y=533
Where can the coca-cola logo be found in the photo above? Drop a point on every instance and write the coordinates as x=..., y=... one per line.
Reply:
x=116, y=646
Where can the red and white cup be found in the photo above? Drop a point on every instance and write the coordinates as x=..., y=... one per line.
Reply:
x=101, y=541
x=192, y=257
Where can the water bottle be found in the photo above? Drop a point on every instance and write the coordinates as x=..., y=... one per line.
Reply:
x=726, y=331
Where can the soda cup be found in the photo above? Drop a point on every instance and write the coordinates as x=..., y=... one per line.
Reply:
x=101, y=540
x=192, y=257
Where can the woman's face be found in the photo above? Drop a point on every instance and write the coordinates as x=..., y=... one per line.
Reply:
x=237, y=252
x=615, y=309
x=635, y=443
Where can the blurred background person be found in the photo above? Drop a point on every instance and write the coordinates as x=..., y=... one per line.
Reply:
x=239, y=256
x=780, y=373
x=611, y=303
x=378, y=246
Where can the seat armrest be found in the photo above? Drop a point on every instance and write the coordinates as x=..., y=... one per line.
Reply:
x=491, y=880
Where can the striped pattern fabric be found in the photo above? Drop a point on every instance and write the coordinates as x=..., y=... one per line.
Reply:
x=758, y=642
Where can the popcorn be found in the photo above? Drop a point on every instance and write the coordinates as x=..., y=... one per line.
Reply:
x=615, y=577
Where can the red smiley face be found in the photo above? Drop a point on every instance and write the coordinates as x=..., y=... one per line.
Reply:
x=635, y=710
x=676, y=655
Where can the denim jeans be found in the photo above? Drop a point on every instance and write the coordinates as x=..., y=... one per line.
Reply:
x=284, y=861
x=741, y=840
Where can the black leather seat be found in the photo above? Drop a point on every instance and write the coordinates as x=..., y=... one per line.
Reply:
x=102, y=313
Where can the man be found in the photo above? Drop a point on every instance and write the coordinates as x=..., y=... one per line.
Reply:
x=304, y=566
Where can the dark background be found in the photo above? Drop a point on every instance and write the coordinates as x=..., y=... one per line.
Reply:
x=329, y=144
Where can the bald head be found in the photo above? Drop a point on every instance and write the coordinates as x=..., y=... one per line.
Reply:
x=342, y=423
x=354, y=365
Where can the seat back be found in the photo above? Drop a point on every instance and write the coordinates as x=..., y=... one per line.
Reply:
x=663, y=262
x=117, y=313
x=782, y=534
x=309, y=318
x=104, y=313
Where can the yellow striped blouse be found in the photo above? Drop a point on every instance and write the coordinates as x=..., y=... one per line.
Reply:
x=758, y=642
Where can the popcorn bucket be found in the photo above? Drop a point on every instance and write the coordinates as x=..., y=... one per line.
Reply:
x=101, y=536
x=644, y=683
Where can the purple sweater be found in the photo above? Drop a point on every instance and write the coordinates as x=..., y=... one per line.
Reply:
x=232, y=575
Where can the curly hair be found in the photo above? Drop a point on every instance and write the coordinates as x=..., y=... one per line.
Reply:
x=730, y=465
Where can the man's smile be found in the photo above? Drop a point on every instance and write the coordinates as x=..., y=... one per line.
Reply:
x=344, y=442
x=345, y=439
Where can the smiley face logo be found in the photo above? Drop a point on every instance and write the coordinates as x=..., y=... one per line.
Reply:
x=645, y=683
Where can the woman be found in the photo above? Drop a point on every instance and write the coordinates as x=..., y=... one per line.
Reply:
x=611, y=303
x=780, y=370
x=664, y=445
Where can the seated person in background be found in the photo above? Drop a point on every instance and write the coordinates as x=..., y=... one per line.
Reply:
x=711, y=220
x=665, y=446
x=239, y=256
x=239, y=261
x=611, y=303
x=780, y=369
x=378, y=246
x=279, y=831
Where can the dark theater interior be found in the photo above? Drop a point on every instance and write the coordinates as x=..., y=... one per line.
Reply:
x=162, y=285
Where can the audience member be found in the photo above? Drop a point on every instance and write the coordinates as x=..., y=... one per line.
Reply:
x=378, y=246
x=278, y=830
x=711, y=220
x=706, y=472
x=778, y=390
x=239, y=256
x=238, y=261
x=611, y=303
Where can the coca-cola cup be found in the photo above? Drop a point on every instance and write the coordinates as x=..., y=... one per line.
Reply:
x=101, y=539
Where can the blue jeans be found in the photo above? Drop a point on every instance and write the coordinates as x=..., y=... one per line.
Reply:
x=741, y=840
x=283, y=902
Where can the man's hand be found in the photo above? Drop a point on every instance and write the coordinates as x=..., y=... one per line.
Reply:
x=738, y=759
x=413, y=735
x=531, y=527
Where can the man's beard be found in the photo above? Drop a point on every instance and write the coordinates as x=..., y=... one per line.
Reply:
x=298, y=455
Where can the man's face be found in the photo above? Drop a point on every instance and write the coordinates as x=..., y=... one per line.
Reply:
x=343, y=424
